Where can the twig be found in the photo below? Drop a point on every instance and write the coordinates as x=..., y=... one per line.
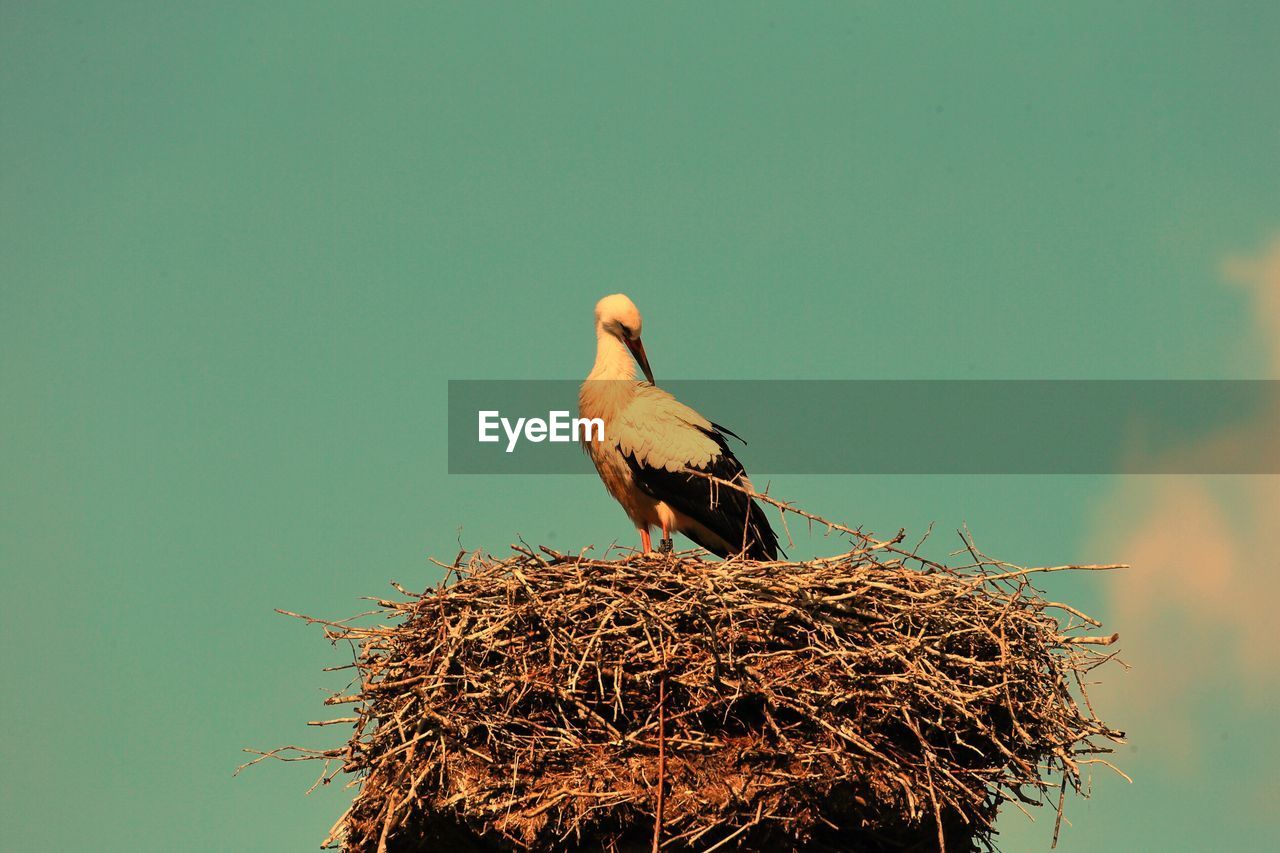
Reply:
x=519, y=697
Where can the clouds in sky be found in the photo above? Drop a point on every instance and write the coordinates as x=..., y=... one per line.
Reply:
x=1199, y=610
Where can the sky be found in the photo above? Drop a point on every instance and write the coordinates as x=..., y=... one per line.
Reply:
x=243, y=248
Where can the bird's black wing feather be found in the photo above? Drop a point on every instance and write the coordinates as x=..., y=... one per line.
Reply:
x=727, y=512
x=726, y=431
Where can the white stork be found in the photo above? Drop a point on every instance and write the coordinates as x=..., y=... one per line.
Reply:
x=650, y=438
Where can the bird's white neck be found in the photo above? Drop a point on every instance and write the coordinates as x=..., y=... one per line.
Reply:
x=613, y=360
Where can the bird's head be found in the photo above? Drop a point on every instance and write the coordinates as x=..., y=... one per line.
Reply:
x=618, y=316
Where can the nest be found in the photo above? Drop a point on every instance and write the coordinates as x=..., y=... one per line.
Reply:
x=871, y=701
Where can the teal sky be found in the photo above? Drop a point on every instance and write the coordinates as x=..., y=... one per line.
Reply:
x=242, y=249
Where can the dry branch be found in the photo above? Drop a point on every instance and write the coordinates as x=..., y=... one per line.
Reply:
x=872, y=701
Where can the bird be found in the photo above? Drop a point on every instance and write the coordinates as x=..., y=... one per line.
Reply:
x=651, y=441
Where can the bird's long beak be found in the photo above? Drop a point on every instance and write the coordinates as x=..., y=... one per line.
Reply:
x=637, y=350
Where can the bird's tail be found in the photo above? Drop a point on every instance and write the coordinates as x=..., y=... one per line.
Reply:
x=759, y=540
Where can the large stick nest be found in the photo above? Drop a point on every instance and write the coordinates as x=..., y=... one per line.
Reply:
x=872, y=701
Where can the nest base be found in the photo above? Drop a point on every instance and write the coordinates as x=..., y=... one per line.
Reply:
x=872, y=701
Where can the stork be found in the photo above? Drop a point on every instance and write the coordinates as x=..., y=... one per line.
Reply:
x=651, y=441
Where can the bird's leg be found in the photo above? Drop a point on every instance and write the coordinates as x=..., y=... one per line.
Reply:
x=665, y=546
x=646, y=544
